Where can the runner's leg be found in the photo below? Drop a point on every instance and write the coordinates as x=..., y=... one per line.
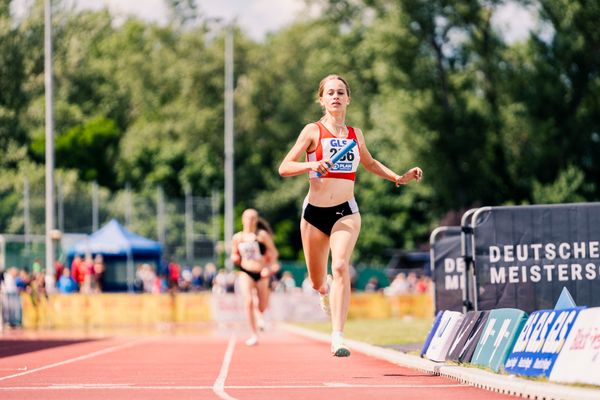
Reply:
x=263, y=292
x=343, y=238
x=247, y=289
x=316, y=251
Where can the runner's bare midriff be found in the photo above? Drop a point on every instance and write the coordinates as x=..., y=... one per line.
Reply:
x=329, y=192
x=252, y=265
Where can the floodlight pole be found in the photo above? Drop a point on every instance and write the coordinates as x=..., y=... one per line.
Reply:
x=229, y=173
x=50, y=279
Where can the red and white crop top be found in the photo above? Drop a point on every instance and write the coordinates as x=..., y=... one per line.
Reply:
x=328, y=145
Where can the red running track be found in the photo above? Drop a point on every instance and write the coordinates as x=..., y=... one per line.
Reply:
x=206, y=365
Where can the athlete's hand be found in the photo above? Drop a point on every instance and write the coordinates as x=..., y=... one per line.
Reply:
x=236, y=259
x=415, y=173
x=265, y=272
x=322, y=167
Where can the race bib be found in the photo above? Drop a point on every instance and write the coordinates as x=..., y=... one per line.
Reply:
x=249, y=250
x=349, y=162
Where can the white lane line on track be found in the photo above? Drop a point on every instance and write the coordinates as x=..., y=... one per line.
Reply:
x=219, y=385
x=346, y=386
x=103, y=387
x=72, y=360
x=133, y=387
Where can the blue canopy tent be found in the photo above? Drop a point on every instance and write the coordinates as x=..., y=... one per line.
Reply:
x=117, y=245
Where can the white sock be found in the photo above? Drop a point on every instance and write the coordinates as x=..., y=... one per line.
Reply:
x=337, y=335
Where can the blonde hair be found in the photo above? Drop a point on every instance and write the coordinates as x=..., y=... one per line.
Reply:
x=328, y=78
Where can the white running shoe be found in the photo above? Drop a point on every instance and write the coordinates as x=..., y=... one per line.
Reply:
x=260, y=321
x=338, y=348
x=324, y=298
x=252, y=341
x=261, y=324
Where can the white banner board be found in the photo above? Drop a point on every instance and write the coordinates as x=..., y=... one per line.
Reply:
x=444, y=336
x=579, y=359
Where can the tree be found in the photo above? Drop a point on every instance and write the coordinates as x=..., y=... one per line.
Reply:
x=12, y=95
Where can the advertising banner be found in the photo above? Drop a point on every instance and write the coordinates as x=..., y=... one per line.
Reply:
x=500, y=333
x=418, y=305
x=115, y=309
x=298, y=306
x=69, y=310
x=448, y=268
x=434, y=326
x=193, y=307
x=525, y=255
x=471, y=345
x=579, y=359
x=444, y=335
x=540, y=342
x=467, y=337
x=367, y=305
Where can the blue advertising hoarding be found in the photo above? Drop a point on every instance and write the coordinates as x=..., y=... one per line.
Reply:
x=540, y=342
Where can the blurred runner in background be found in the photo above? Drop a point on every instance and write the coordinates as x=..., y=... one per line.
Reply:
x=253, y=251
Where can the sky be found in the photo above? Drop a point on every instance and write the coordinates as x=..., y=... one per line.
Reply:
x=258, y=17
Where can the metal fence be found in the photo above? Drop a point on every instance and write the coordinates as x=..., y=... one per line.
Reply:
x=188, y=228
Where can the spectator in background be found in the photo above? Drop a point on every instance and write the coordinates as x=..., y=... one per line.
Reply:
x=219, y=285
x=398, y=286
x=11, y=300
x=185, y=280
x=9, y=281
x=161, y=283
x=372, y=285
x=138, y=284
x=174, y=273
x=412, y=281
x=287, y=283
x=36, y=266
x=87, y=266
x=37, y=288
x=77, y=271
x=197, y=278
x=66, y=284
x=147, y=276
x=23, y=280
x=423, y=284
x=58, y=269
x=98, y=276
x=210, y=271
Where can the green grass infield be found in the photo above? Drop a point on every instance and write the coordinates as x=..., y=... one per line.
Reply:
x=380, y=332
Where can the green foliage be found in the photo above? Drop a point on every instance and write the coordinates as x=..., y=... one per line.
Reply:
x=12, y=199
x=91, y=149
x=12, y=80
x=569, y=187
x=380, y=332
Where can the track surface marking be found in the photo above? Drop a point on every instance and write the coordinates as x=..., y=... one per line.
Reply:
x=208, y=365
